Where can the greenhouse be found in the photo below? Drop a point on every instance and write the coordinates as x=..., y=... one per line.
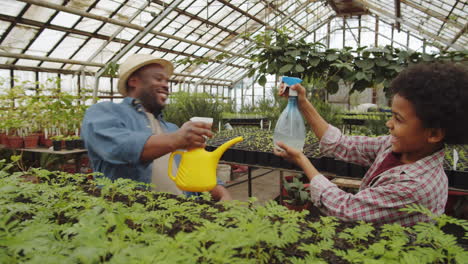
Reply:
x=244, y=131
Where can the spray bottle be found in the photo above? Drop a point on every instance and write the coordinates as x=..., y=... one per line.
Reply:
x=290, y=128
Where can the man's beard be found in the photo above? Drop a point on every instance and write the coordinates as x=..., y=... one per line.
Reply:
x=150, y=102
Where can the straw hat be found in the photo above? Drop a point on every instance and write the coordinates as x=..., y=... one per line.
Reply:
x=135, y=62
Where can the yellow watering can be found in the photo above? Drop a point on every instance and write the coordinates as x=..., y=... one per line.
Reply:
x=197, y=170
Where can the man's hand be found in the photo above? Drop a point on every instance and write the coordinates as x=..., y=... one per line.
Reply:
x=193, y=135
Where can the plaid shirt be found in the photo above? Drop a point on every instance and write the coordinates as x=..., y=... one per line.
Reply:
x=423, y=182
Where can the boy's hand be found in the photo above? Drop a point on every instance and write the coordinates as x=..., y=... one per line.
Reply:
x=301, y=92
x=290, y=154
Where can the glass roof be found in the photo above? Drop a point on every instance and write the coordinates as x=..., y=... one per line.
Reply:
x=91, y=33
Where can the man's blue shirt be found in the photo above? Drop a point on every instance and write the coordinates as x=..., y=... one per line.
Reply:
x=115, y=135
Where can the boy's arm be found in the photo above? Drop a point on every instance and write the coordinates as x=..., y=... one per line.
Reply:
x=359, y=150
x=378, y=204
x=355, y=149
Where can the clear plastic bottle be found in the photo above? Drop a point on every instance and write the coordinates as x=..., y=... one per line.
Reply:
x=290, y=128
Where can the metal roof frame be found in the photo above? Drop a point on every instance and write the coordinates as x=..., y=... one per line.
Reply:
x=110, y=26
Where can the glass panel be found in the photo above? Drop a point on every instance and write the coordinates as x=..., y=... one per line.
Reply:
x=3, y=27
x=11, y=7
x=23, y=62
x=18, y=38
x=65, y=19
x=53, y=65
x=84, y=53
x=38, y=13
x=46, y=40
x=68, y=46
x=89, y=25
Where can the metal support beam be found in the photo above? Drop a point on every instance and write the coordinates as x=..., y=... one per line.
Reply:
x=35, y=23
x=461, y=32
x=135, y=40
x=227, y=3
x=397, y=13
x=250, y=45
x=272, y=5
x=376, y=31
x=94, y=64
x=40, y=58
x=359, y=32
x=124, y=24
x=422, y=32
x=117, y=32
x=432, y=13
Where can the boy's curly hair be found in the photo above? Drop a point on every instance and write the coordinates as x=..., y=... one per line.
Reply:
x=439, y=94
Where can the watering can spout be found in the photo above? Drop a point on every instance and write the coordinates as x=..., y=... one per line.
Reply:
x=221, y=149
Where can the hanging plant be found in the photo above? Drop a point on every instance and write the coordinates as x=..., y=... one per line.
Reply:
x=112, y=69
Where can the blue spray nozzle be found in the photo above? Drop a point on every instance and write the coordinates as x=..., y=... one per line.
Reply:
x=290, y=80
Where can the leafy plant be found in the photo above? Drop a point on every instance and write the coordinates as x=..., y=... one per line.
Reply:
x=297, y=193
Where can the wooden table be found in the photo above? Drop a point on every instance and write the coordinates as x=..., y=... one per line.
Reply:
x=51, y=151
x=75, y=152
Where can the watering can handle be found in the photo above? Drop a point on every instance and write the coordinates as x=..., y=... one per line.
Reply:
x=169, y=169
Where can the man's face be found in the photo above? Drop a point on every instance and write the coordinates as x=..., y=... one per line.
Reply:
x=151, y=87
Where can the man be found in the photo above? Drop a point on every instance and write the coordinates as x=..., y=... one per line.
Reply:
x=131, y=139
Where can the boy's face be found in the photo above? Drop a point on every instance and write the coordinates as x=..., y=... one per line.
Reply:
x=409, y=137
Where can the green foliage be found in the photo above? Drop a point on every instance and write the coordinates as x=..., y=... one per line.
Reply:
x=33, y=107
x=185, y=105
x=68, y=219
x=278, y=53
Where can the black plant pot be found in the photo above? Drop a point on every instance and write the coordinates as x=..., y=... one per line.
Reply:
x=57, y=145
x=263, y=159
x=356, y=171
x=459, y=179
x=286, y=164
x=341, y=168
x=238, y=156
x=317, y=162
x=69, y=144
x=250, y=157
x=449, y=177
x=79, y=144
x=227, y=156
x=328, y=164
x=275, y=161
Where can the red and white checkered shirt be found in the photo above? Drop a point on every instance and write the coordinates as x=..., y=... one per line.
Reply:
x=423, y=182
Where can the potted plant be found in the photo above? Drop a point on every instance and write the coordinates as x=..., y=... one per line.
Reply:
x=298, y=196
x=57, y=142
x=69, y=142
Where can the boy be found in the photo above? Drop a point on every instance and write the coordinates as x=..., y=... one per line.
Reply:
x=429, y=108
